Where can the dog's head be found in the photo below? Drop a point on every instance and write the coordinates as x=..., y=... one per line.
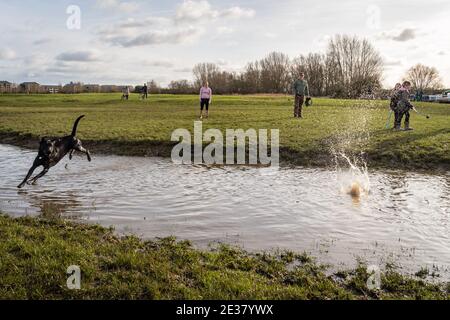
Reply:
x=46, y=146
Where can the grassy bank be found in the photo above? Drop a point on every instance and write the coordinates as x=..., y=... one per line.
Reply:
x=36, y=253
x=144, y=128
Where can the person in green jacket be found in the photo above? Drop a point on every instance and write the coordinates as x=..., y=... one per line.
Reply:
x=301, y=90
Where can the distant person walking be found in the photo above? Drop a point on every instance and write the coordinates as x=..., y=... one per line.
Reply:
x=145, y=91
x=301, y=90
x=205, y=99
x=126, y=93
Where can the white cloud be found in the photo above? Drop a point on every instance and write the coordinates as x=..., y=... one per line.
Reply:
x=237, y=12
x=198, y=11
x=222, y=62
x=194, y=11
x=7, y=54
x=126, y=7
x=185, y=26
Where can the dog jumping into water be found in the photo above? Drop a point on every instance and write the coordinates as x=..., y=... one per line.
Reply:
x=51, y=151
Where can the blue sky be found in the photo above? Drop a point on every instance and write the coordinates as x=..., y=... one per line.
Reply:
x=133, y=41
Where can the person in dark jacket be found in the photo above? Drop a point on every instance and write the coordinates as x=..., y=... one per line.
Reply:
x=403, y=106
x=145, y=91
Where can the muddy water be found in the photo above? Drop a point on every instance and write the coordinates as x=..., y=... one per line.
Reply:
x=404, y=219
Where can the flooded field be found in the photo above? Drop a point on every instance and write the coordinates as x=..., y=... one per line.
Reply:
x=404, y=219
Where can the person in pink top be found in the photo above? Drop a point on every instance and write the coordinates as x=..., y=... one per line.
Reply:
x=205, y=99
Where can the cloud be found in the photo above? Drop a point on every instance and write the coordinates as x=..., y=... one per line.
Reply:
x=118, y=5
x=405, y=35
x=222, y=62
x=185, y=26
x=7, y=54
x=237, y=12
x=198, y=11
x=78, y=56
x=42, y=41
x=159, y=63
x=183, y=70
x=389, y=61
x=155, y=37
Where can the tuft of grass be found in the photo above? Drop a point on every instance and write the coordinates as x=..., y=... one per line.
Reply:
x=137, y=127
x=36, y=253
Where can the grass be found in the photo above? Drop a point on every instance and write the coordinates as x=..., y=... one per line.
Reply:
x=144, y=128
x=36, y=253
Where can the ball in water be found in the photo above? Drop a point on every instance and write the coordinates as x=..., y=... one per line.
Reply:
x=355, y=190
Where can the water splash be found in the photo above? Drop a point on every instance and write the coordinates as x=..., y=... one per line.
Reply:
x=348, y=145
x=352, y=175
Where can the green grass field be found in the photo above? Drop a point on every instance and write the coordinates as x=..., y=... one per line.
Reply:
x=36, y=253
x=144, y=128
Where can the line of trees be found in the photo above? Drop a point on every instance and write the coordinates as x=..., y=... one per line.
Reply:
x=349, y=68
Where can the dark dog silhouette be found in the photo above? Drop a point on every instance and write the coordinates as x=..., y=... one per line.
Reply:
x=51, y=151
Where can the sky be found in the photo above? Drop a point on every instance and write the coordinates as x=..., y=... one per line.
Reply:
x=134, y=41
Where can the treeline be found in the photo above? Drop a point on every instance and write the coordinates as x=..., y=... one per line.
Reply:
x=349, y=68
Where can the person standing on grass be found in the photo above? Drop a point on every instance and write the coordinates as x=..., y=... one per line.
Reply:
x=301, y=90
x=403, y=106
x=394, y=101
x=145, y=91
x=205, y=99
x=125, y=93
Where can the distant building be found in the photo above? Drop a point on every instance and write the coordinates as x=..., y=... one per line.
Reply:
x=29, y=87
x=73, y=87
x=91, y=88
x=109, y=88
x=123, y=88
x=5, y=87
x=50, y=88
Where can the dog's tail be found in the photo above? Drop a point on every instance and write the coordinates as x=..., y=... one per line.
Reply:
x=75, y=125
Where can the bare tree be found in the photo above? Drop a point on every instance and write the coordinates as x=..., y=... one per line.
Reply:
x=252, y=78
x=181, y=86
x=423, y=77
x=275, y=75
x=205, y=72
x=353, y=66
x=153, y=87
x=313, y=66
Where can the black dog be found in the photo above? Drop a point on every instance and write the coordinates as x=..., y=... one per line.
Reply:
x=51, y=151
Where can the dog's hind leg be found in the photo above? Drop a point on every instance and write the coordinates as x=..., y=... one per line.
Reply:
x=40, y=175
x=30, y=172
x=83, y=150
x=71, y=154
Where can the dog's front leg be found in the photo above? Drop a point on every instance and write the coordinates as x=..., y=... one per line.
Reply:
x=30, y=172
x=40, y=175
